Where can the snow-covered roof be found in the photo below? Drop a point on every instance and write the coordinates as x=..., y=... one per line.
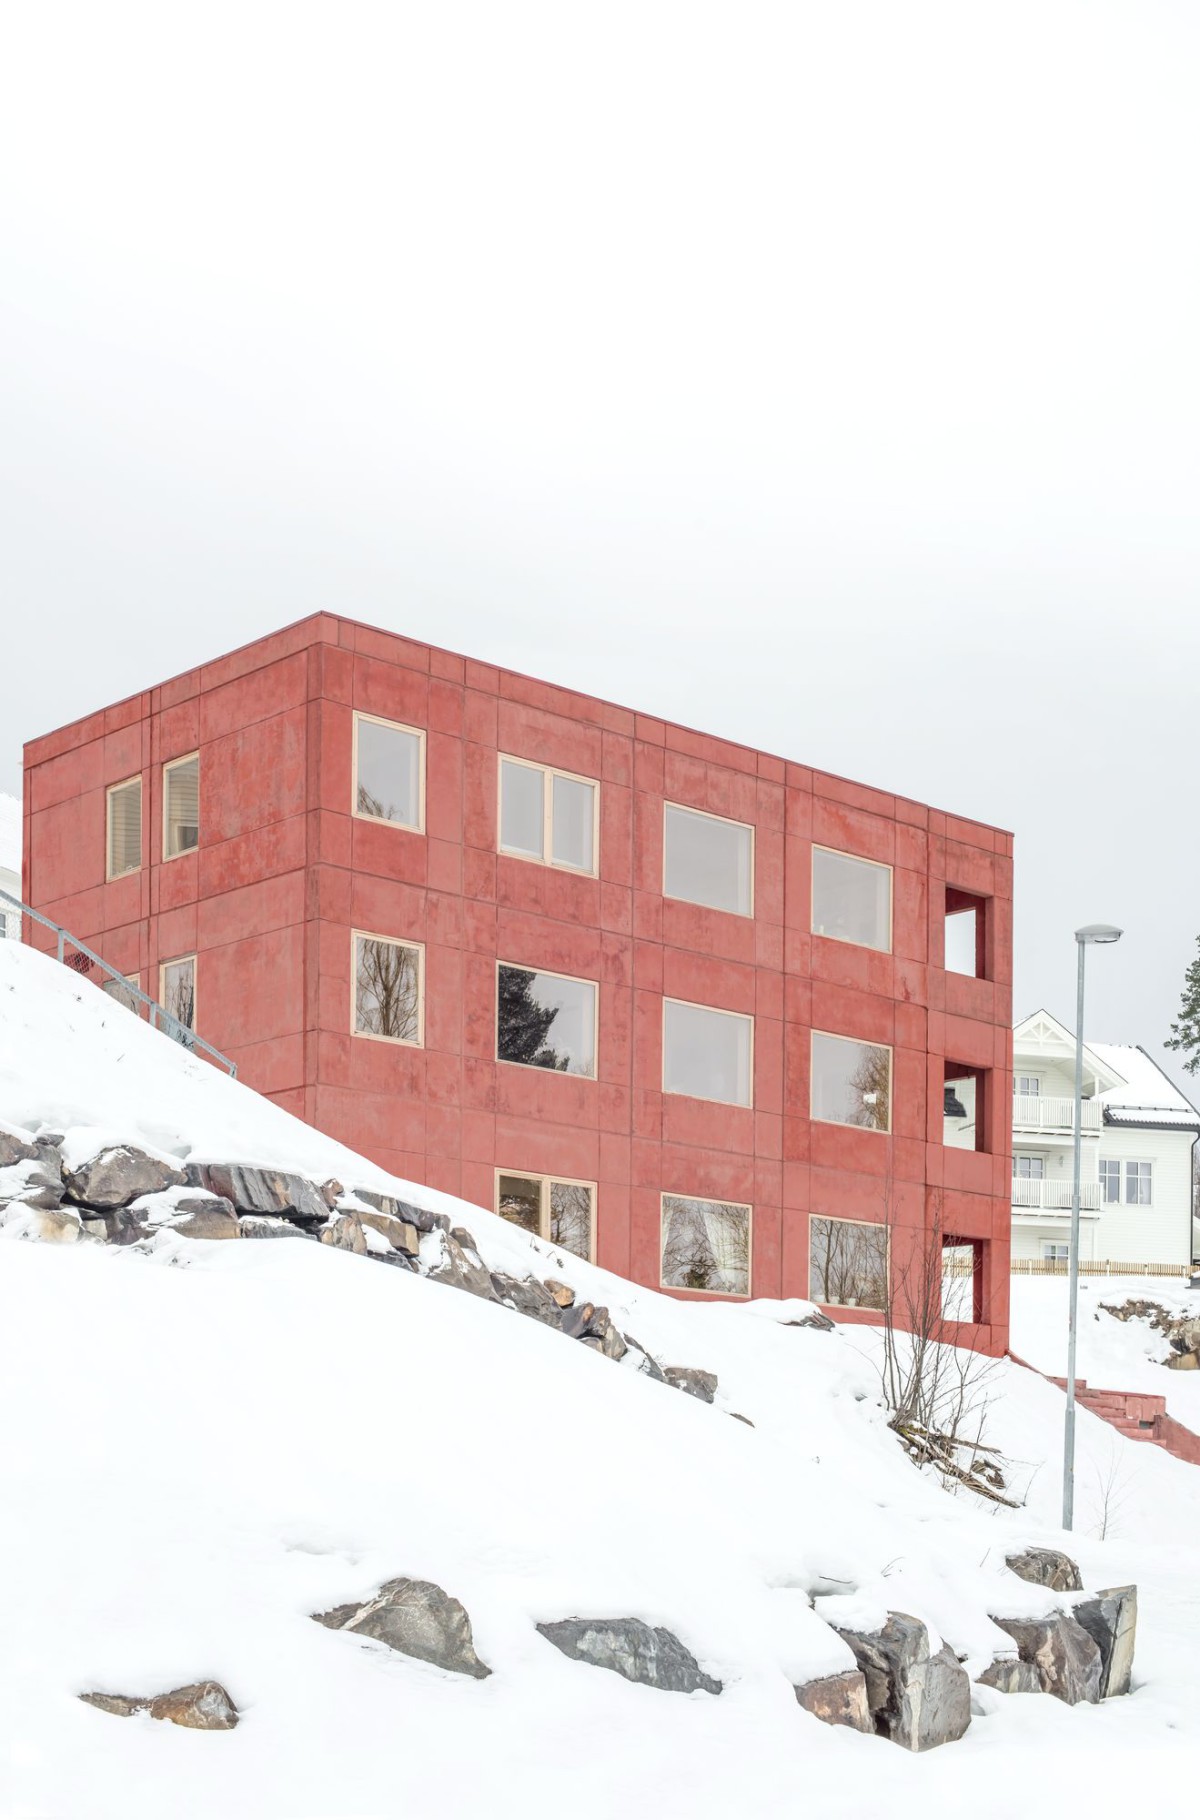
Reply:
x=1146, y=1096
x=10, y=834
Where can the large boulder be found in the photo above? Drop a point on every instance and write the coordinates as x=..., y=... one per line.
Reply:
x=1009, y=1675
x=916, y=1699
x=420, y=1217
x=1110, y=1620
x=838, y=1700
x=15, y=1146
x=1067, y=1661
x=343, y=1232
x=119, y=1174
x=34, y=1181
x=655, y=1658
x=1046, y=1567
x=563, y=1294
x=460, y=1268
x=192, y=1213
x=270, y=1191
x=418, y=1619
x=528, y=1297
x=401, y=1235
x=202, y=1706
x=689, y=1378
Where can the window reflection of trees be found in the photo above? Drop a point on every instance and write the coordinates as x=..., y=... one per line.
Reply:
x=387, y=990
x=706, y=1245
x=848, y=1263
x=871, y=1089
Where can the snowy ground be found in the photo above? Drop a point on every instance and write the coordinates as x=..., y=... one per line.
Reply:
x=1111, y=1354
x=205, y=1444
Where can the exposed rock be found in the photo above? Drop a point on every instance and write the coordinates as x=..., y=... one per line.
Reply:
x=527, y=1296
x=118, y=1174
x=838, y=1700
x=1182, y=1361
x=331, y=1192
x=269, y=1191
x=1009, y=1675
x=402, y=1235
x=35, y=1181
x=594, y=1326
x=656, y=1658
x=1110, y=1620
x=56, y=1225
x=418, y=1619
x=916, y=1699
x=202, y=1706
x=268, y=1226
x=192, y=1213
x=1046, y=1567
x=420, y=1217
x=462, y=1269
x=636, y=1354
x=15, y=1148
x=1066, y=1659
x=702, y=1384
x=344, y=1233
x=815, y=1319
x=738, y=1418
x=563, y=1294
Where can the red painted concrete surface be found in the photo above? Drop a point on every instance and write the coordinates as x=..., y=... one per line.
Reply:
x=284, y=871
x=1139, y=1415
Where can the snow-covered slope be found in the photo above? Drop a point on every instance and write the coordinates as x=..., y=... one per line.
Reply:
x=204, y=1444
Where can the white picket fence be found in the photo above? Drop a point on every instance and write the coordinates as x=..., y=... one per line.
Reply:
x=1095, y=1267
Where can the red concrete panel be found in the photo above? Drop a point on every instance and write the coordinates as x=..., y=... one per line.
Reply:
x=863, y=1015
x=854, y=796
x=550, y=739
x=849, y=830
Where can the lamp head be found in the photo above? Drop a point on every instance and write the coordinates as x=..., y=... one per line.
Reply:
x=1098, y=932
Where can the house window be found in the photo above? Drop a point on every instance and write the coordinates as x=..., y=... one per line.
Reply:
x=1027, y=1086
x=545, y=1020
x=847, y=1263
x=1029, y=1168
x=1056, y=1251
x=177, y=990
x=548, y=816
x=851, y=899
x=1110, y=1179
x=705, y=1245
x=389, y=994
x=389, y=772
x=181, y=806
x=1137, y=1184
x=119, y=989
x=561, y=1212
x=708, y=1054
x=708, y=860
x=851, y=1082
x=124, y=828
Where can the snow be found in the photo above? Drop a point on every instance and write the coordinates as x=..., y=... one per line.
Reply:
x=204, y=1444
x=1110, y=1354
x=1145, y=1086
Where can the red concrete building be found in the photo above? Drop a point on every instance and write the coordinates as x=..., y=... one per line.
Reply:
x=670, y=1001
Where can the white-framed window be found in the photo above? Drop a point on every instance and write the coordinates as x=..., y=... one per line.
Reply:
x=177, y=989
x=545, y=1020
x=550, y=816
x=554, y=1208
x=847, y=1263
x=123, y=830
x=181, y=806
x=851, y=899
x=1029, y=1168
x=118, y=989
x=708, y=1054
x=388, y=1001
x=1027, y=1086
x=851, y=1082
x=708, y=860
x=1056, y=1251
x=1137, y=1184
x=705, y=1245
x=1110, y=1179
x=389, y=772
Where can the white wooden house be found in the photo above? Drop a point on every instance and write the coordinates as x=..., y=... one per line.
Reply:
x=1138, y=1136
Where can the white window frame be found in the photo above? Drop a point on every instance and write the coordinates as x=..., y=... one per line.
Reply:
x=576, y=979
x=709, y=1295
x=747, y=1017
x=1103, y=1165
x=549, y=773
x=127, y=871
x=172, y=764
x=730, y=822
x=1027, y=1086
x=841, y=853
x=377, y=1036
x=1029, y=1175
x=1143, y=1170
x=178, y=960
x=841, y=1124
x=386, y=821
x=1056, y=1251
x=839, y=1219
x=546, y=1179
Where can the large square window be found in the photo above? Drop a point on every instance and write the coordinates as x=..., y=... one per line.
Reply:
x=708, y=1054
x=388, y=989
x=708, y=860
x=851, y=1082
x=389, y=772
x=124, y=828
x=561, y=1212
x=847, y=1263
x=851, y=899
x=705, y=1245
x=181, y=806
x=545, y=1020
x=548, y=816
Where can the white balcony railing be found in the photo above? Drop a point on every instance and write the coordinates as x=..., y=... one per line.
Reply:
x=1044, y=1112
x=1055, y=1197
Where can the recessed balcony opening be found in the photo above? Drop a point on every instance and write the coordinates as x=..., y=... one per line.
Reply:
x=962, y=1279
x=966, y=933
x=963, y=1107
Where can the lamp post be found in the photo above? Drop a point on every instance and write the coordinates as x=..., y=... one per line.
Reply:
x=1084, y=938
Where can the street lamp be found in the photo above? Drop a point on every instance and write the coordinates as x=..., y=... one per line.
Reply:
x=1084, y=938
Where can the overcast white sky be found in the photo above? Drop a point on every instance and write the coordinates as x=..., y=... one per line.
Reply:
x=822, y=375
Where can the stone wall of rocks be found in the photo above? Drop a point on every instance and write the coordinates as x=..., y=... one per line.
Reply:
x=1181, y=1332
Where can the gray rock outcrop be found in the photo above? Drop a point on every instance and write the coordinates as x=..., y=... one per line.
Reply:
x=528, y=1297
x=117, y=1175
x=1009, y=1675
x=653, y=1657
x=462, y=1268
x=420, y=1217
x=1067, y=1661
x=401, y=1235
x=270, y=1191
x=202, y=1706
x=417, y=1618
x=1110, y=1620
x=838, y=1700
x=696, y=1383
x=1046, y=1567
x=343, y=1232
x=916, y=1699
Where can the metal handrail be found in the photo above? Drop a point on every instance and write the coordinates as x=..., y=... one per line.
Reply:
x=160, y=1017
